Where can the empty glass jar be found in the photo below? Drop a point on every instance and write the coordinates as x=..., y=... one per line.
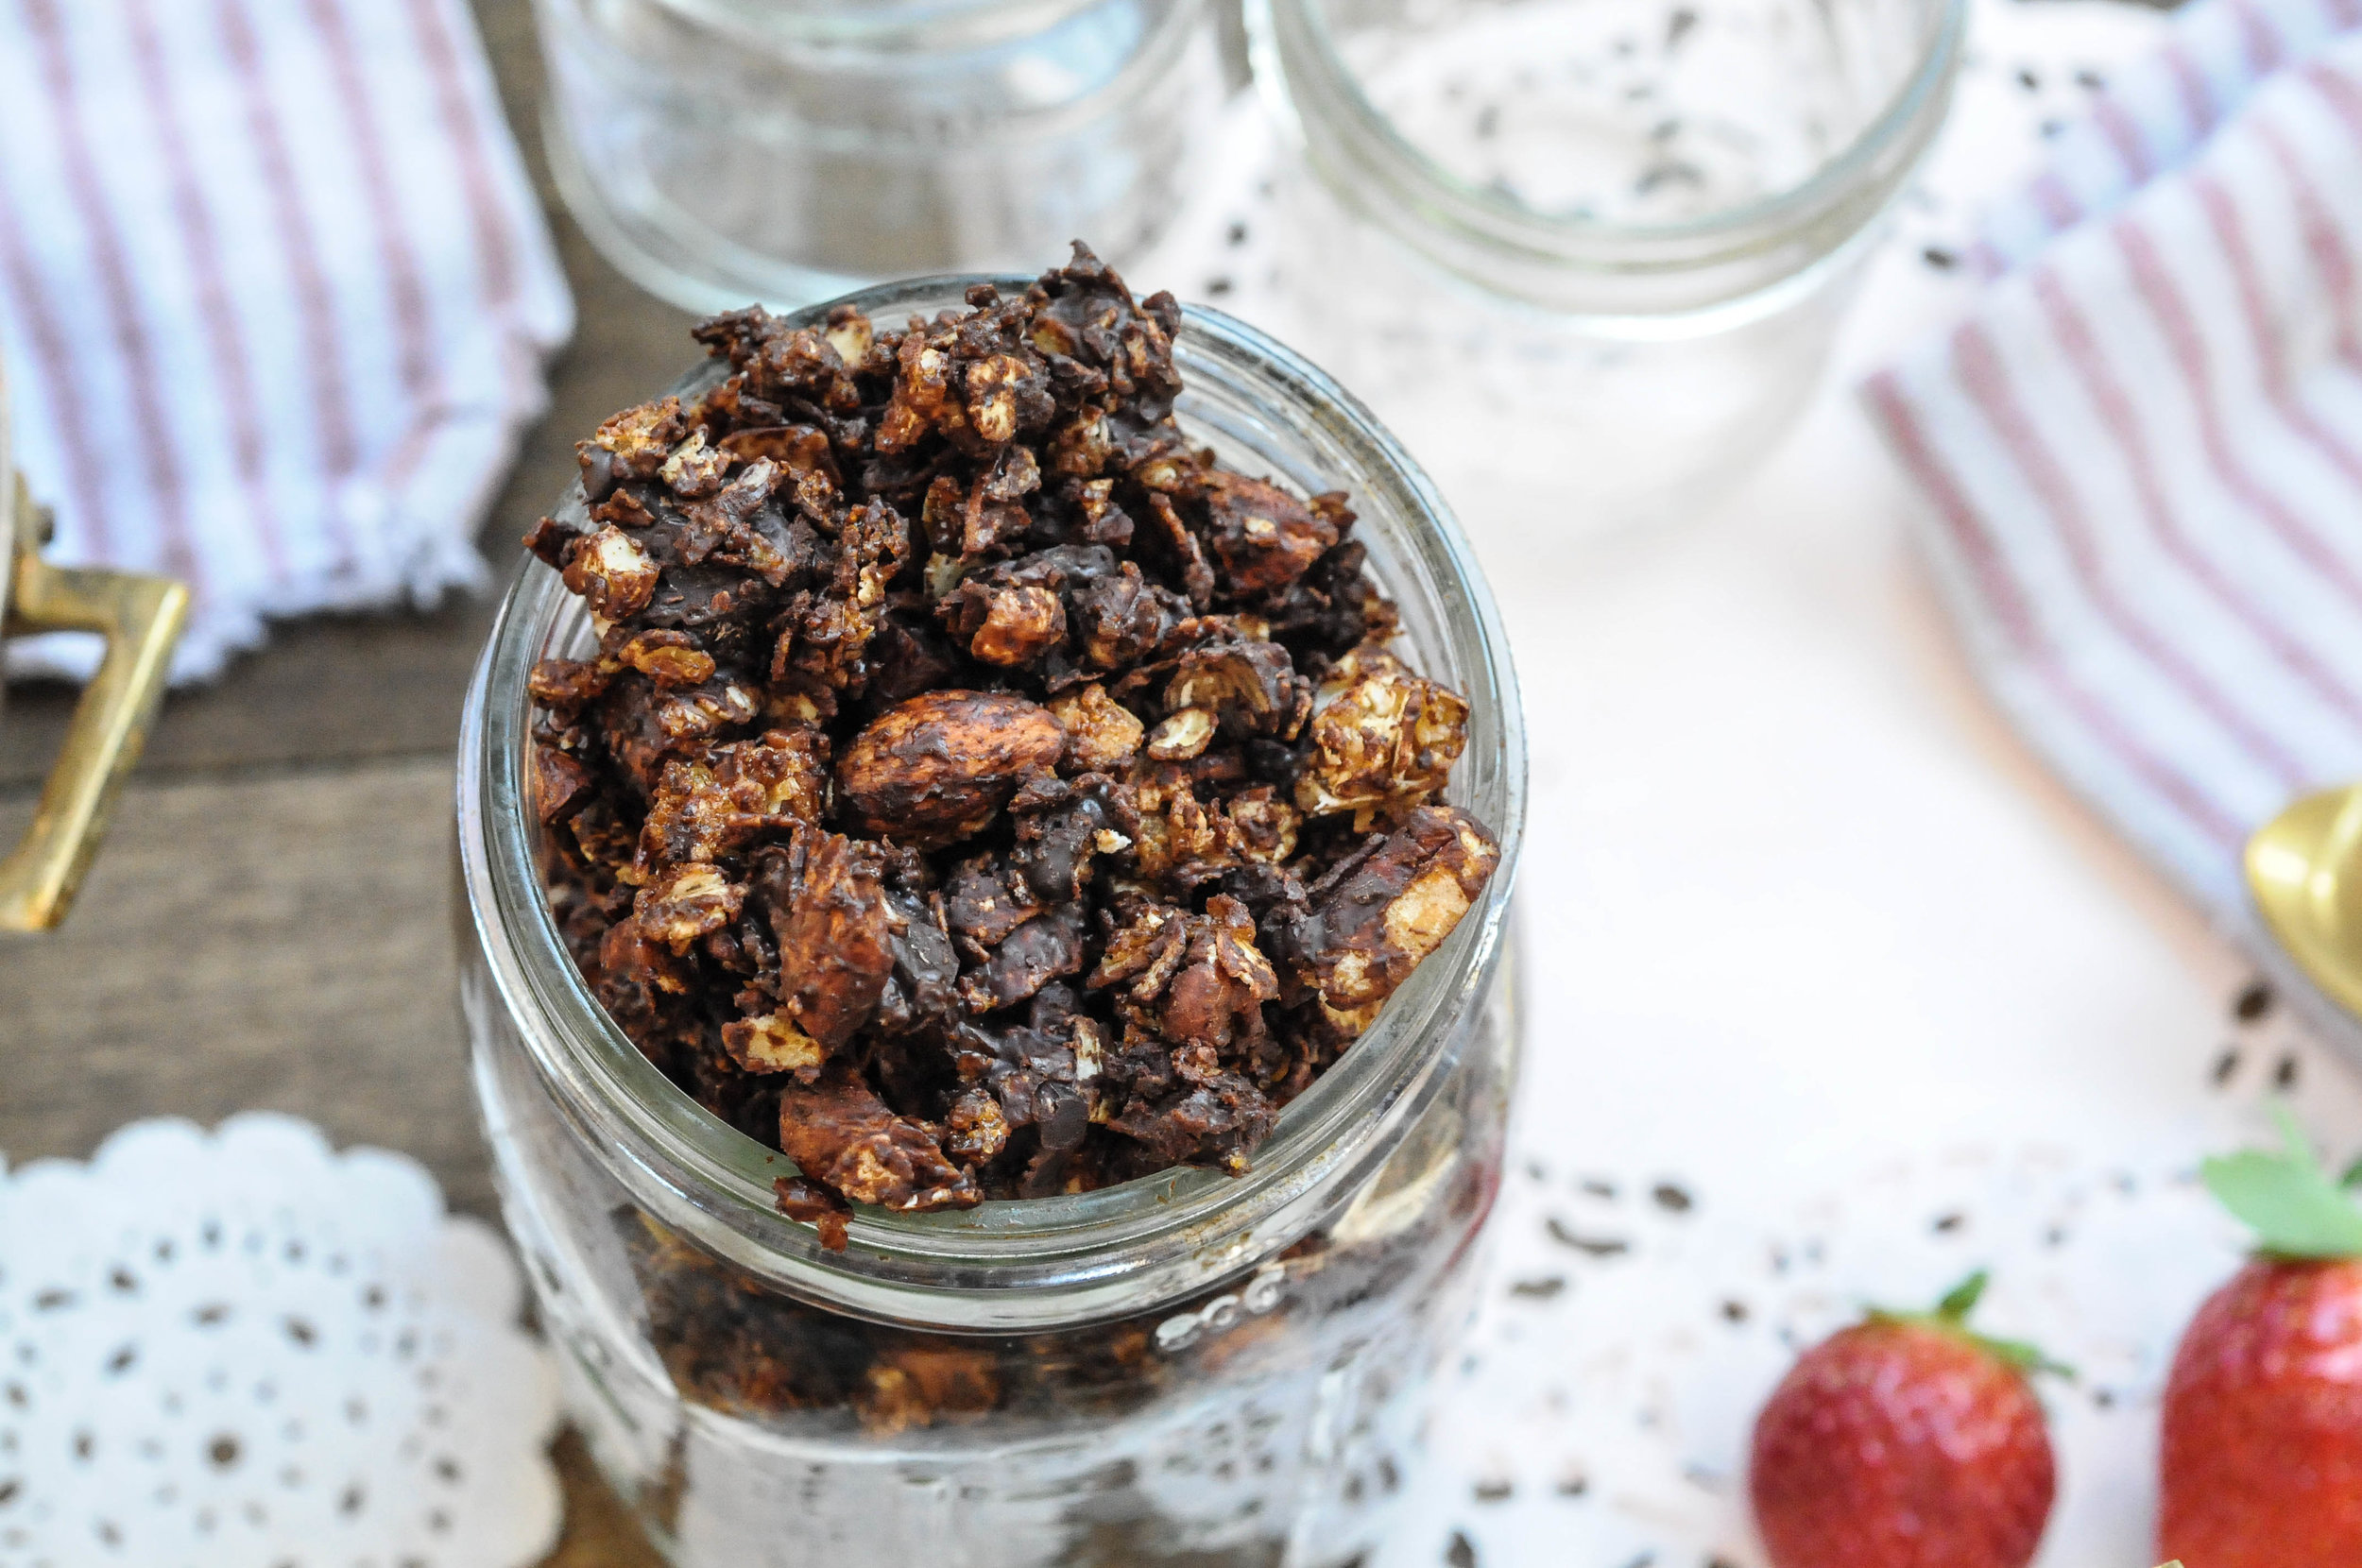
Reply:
x=1193, y=1368
x=722, y=151
x=1590, y=254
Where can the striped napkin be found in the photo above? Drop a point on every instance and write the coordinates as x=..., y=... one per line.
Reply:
x=2143, y=445
x=275, y=297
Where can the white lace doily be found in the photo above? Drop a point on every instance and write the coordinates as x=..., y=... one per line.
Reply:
x=246, y=1349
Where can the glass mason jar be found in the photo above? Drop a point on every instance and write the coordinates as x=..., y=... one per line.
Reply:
x=789, y=150
x=1590, y=253
x=1191, y=1367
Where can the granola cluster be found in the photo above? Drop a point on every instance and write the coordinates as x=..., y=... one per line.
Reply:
x=978, y=791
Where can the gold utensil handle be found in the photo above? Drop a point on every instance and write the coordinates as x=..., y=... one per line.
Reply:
x=141, y=618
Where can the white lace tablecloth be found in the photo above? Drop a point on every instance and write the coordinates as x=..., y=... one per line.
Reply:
x=1832, y=993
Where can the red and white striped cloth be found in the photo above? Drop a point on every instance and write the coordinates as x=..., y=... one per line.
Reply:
x=275, y=295
x=2144, y=443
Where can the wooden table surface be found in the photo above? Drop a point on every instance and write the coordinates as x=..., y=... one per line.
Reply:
x=267, y=926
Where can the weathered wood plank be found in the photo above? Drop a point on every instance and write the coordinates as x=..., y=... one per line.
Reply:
x=599, y=1534
x=277, y=941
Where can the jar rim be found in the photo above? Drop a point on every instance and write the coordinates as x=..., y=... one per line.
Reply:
x=878, y=23
x=1041, y=1259
x=1296, y=63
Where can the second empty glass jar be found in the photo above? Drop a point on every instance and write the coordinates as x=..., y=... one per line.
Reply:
x=1590, y=254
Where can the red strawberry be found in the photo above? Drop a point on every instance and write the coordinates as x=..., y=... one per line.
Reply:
x=2262, y=1462
x=1905, y=1442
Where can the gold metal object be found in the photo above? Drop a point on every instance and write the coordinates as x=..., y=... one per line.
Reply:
x=2304, y=868
x=141, y=618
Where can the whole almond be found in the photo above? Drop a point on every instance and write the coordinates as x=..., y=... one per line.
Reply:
x=935, y=769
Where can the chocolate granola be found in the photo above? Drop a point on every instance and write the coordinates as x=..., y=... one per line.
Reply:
x=977, y=790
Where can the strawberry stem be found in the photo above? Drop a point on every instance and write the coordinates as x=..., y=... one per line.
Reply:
x=1951, y=1317
x=1961, y=1298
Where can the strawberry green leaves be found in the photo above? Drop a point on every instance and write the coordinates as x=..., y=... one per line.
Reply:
x=2296, y=1208
x=1961, y=1298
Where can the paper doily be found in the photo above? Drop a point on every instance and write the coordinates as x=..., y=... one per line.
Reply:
x=246, y=1349
x=1634, y=1322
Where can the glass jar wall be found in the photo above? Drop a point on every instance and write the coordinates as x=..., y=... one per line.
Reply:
x=1590, y=254
x=1192, y=1367
x=720, y=151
